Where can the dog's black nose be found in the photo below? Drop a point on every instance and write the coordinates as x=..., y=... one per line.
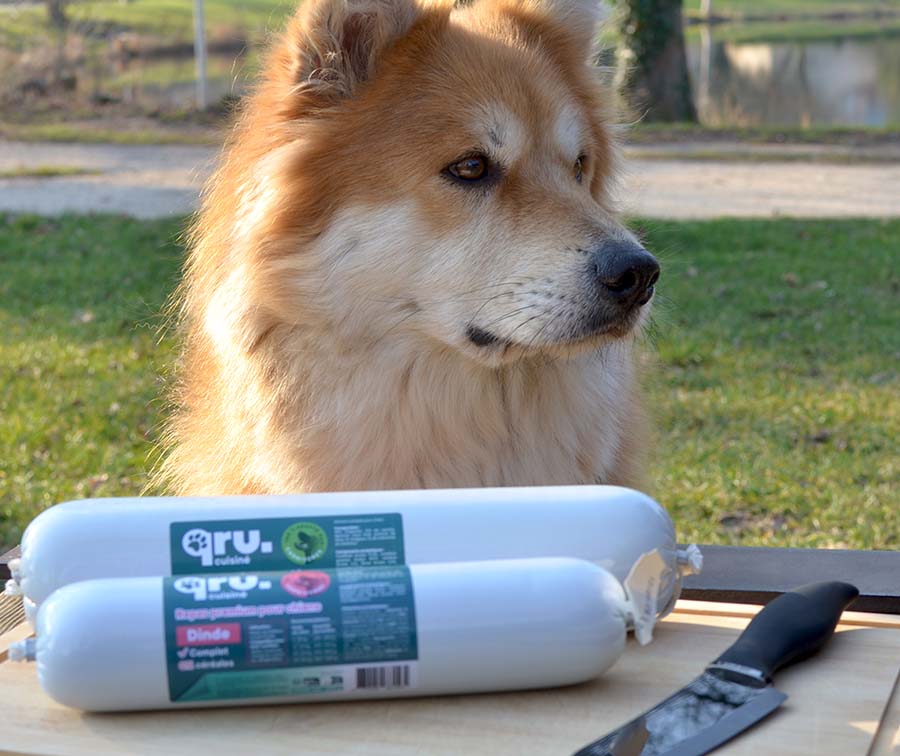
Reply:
x=625, y=271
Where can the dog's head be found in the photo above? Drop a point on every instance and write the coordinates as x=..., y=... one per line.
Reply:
x=432, y=172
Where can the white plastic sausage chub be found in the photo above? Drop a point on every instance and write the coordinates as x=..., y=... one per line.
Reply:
x=118, y=644
x=142, y=537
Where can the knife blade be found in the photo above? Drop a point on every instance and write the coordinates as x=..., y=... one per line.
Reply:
x=736, y=690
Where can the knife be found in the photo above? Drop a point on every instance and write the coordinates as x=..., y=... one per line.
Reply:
x=735, y=691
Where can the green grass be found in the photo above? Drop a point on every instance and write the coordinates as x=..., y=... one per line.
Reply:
x=764, y=156
x=797, y=20
x=46, y=171
x=775, y=389
x=743, y=8
x=79, y=358
x=653, y=133
x=797, y=32
x=170, y=19
x=101, y=134
x=169, y=72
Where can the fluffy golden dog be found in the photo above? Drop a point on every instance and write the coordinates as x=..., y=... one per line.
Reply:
x=407, y=271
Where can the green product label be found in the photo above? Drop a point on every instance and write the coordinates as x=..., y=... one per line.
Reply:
x=286, y=634
x=284, y=543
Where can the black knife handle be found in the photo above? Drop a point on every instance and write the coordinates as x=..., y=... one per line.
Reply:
x=790, y=627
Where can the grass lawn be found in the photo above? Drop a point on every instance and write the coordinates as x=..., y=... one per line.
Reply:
x=101, y=133
x=171, y=19
x=765, y=156
x=775, y=388
x=45, y=171
x=79, y=358
x=742, y=8
x=793, y=32
x=655, y=133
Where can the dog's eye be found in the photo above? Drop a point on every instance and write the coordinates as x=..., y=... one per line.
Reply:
x=472, y=168
x=579, y=168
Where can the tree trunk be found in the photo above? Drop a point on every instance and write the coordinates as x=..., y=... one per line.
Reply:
x=653, y=73
x=56, y=12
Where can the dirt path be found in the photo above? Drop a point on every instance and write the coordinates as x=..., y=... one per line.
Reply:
x=705, y=189
x=153, y=181
x=145, y=181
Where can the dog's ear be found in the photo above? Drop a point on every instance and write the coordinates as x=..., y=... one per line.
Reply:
x=336, y=44
x=581, y=19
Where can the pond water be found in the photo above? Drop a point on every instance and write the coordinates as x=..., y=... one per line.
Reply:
x=851, y=81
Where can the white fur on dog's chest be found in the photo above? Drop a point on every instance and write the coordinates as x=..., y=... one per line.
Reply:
x=440, y=421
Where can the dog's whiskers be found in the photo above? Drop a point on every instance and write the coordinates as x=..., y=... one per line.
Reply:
x=509, y=283
x=511, y=314
x=524, y=323
x=551, y=318
x=392, y=328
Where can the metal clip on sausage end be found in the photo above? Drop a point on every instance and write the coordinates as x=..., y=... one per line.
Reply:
x=690, y=560
x=12, y=587
x=23, y=650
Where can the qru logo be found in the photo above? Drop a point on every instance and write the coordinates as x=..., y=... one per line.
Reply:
x=213, y=547
x=201, y=587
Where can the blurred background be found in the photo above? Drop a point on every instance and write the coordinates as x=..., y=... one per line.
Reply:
x=763, y=167
x=777, y=63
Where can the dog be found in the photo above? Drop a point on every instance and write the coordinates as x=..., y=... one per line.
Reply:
x=408, y=271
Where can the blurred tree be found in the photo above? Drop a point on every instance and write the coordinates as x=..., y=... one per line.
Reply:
x=56, y=12
x=653, y=73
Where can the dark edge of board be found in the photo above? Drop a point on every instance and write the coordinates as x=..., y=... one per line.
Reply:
x=5, y=559
x=756, y=575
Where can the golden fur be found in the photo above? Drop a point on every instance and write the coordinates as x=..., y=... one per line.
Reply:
x=333, y=268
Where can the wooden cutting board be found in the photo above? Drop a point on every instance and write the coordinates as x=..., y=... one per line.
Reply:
x=844, y=701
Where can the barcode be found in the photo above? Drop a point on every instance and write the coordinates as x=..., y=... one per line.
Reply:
x=396, y=676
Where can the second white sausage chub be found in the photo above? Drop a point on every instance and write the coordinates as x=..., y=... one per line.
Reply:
x=322, y=635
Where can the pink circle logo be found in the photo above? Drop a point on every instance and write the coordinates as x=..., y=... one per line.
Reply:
x=305, y=583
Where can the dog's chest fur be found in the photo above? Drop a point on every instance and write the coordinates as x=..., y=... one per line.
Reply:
x=389, y=421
